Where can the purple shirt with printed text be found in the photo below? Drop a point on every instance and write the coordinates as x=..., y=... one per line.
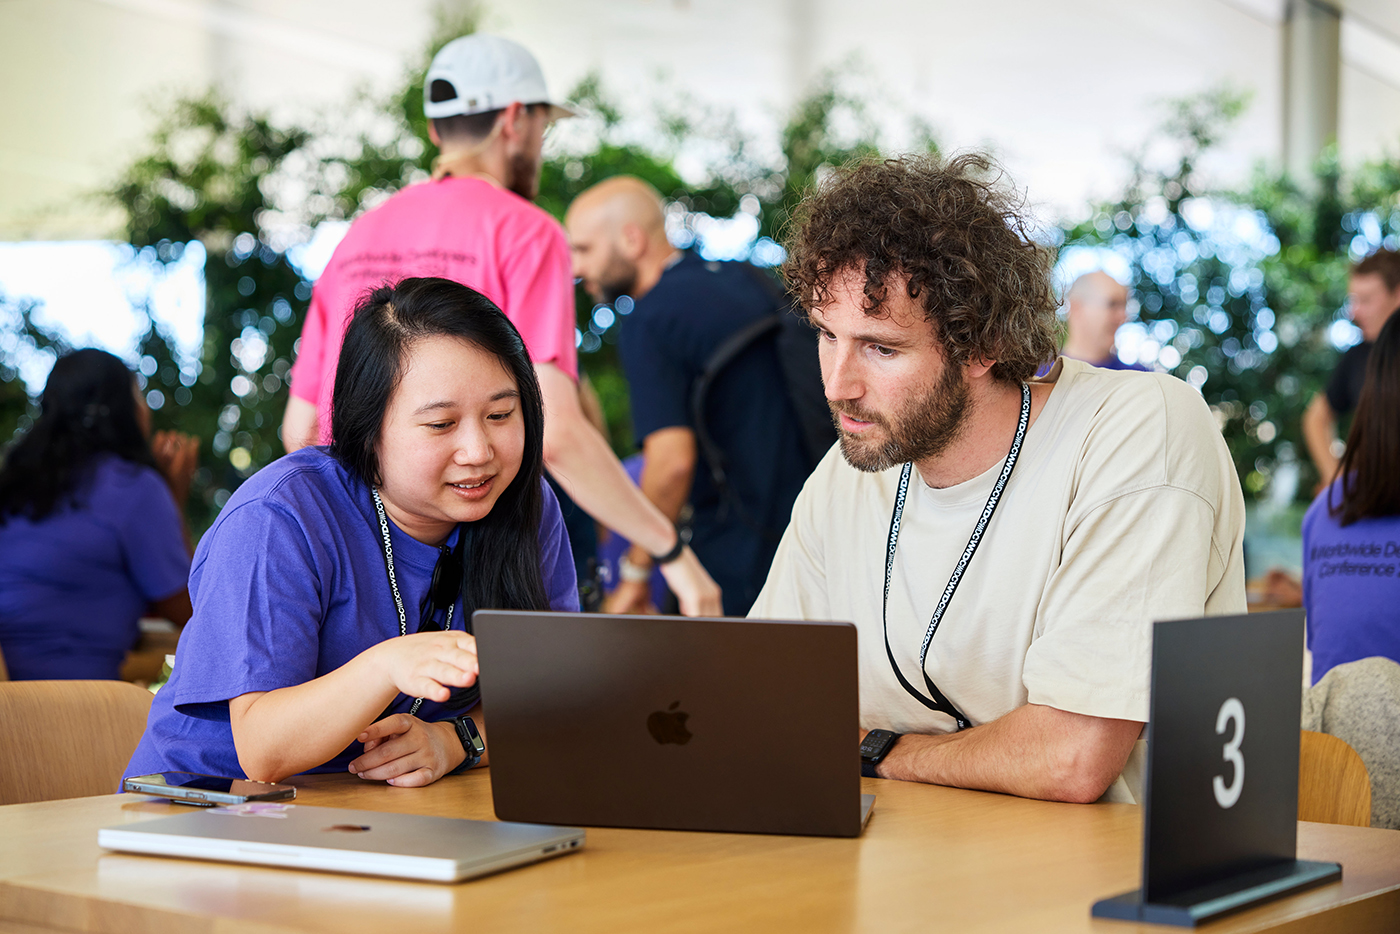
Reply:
x=1351, y=586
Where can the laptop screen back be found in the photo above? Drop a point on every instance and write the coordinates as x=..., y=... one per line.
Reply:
x=667, y=722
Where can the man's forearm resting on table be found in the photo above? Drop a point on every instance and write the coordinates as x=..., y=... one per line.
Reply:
x=1034, y=752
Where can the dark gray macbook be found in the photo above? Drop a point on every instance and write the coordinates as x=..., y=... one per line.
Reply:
x=666, y=722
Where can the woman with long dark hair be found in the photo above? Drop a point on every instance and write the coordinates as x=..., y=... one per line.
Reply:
x=332, y=595
x=91, y=537
x=1351, y=533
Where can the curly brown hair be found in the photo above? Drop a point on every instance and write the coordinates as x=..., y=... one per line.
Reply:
x=954, y=238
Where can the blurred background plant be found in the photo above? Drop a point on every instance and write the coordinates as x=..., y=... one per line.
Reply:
x=1239, y=293
x=1243, y=294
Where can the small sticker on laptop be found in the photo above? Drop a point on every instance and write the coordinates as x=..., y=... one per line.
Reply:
x=254, y=809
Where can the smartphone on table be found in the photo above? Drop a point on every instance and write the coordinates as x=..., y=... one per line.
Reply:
x=206, y=790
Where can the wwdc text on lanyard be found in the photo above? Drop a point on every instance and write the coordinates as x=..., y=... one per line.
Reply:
x=935, y=699
x=442, y=592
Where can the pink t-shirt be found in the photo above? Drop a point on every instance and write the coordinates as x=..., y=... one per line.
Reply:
x=464, y=229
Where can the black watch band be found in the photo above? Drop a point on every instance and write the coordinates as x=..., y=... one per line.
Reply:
x=874, y=748
x=472, y=743
x=675, y=552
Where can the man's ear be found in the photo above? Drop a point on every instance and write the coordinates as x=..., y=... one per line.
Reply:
x=634, y=241
x=979, y=367
x=433, y=134
x=509, y=121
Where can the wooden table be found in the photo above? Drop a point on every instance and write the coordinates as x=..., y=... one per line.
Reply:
x=931, y=859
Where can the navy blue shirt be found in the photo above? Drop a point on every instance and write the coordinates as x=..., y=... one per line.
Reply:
x=664, y=344
x=1344, y=388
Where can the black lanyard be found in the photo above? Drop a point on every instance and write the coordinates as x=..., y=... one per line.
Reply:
x=388, y=548
x=936, y=700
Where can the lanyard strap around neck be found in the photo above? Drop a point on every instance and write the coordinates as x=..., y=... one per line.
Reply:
x=388, y=547
x=936, y=700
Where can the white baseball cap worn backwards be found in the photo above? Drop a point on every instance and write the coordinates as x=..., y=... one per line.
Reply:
x=483, y=73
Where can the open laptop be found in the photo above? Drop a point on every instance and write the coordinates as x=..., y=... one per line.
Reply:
x=665, y=722
x=404, y=846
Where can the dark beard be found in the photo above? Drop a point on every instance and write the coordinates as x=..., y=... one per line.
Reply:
x=918, y=430
x=617, y=288
x=524, y=176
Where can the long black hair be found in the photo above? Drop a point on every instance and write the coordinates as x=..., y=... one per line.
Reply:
x=88, y=408
x=1370, y=468
x=503, y=564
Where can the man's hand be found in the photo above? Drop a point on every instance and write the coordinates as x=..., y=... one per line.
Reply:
x=407, y=752
x=177, y=458
x=695, y=590
x=630, y=597
x=580, y=459
x=428, y=664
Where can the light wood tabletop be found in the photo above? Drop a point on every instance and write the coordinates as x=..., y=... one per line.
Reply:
x=931, y=859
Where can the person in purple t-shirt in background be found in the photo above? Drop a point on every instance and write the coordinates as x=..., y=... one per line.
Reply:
x=1351, y=533
x=333, y=592
x=91, y=537
x=1098, y=306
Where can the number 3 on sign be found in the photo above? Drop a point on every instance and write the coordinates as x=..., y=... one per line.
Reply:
x=1227, y=795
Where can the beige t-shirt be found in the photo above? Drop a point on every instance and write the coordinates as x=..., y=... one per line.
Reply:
x=1123, y=508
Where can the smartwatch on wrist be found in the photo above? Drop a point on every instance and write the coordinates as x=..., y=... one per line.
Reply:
x=472, y=743
x=631, y=573
x=874, y=748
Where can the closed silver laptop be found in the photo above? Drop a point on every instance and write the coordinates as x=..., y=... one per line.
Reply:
x=404, y=846
x=665, y=722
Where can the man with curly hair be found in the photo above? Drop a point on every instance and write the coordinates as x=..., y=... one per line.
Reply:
x=1003, y=543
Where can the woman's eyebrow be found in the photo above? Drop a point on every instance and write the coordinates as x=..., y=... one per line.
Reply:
x=450, y=404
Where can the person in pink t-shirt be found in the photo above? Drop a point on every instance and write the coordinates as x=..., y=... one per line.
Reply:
x=474, y=223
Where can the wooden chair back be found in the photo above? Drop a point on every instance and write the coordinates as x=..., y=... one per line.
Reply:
x=67, y=739
x=4, y=672
x=1333, y=787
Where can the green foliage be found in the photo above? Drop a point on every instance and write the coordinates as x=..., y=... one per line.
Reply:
x=1243, y=286
x=20, y=336
x=207, y=177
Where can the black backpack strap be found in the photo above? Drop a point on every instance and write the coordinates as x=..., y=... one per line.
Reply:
x=723, y=355
x=802, y=373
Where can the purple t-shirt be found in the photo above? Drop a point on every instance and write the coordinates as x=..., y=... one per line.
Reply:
x=74, y=584
x=1351, y=586
x=288, y=585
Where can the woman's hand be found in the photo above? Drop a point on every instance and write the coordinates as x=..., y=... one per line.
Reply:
x=407, y=752
x=177, y=457
x=428, y=664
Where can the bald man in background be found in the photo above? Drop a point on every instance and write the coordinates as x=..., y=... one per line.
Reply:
x=685, y=309
x=1098, y=306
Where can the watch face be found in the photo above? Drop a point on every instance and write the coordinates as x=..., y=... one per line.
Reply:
x=875, y=744
x=470, y=737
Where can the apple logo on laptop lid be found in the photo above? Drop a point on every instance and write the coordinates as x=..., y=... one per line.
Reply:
x=668, y=726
